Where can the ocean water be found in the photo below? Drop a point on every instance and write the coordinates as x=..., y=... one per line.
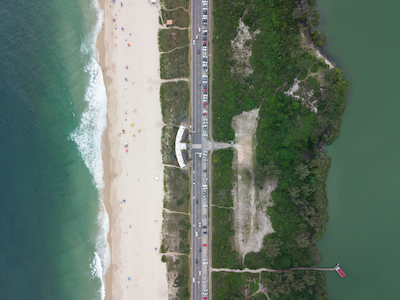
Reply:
x=53, y=224
x=363, y=182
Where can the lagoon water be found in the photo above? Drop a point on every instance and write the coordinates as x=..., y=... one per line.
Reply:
x=363, y=39
x=52, y=116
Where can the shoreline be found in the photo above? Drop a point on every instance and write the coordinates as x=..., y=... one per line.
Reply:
x=100, y=45
x=132, y=274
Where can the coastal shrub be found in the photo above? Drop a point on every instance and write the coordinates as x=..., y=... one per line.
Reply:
x=174, y=97
x=169, y=39
x=168, y=136
x=175, y=64
x=176, y=190
x=177, y=10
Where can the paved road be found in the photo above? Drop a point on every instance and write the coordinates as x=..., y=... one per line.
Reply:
x=199, y=167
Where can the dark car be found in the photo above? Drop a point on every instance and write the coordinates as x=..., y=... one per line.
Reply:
x=205, y=232
x=200, y=249
x=204, y=226
x=198, y=51
x=197, y=201
x=197, y=260
x=204, y=58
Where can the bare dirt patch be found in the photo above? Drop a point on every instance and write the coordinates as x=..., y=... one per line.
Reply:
x=242, y=49
x=251, y=222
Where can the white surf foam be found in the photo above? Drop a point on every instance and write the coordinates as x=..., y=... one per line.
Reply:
x=88, y=137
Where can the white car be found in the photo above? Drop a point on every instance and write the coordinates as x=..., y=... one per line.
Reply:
x=197, y=234
x=194, y=42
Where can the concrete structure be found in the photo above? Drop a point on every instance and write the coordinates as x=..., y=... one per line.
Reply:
x=179, y=146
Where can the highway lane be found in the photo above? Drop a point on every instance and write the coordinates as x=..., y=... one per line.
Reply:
x=199, y=252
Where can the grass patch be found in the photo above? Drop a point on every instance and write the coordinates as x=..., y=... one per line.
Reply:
x=168, y=145
x=222, y=177
x=174, y=101
x=177, y=192
x=224, y=256
x=228, y=285
x=170, y=4
x=175, y=64
x=180, y=17
x=169, y=39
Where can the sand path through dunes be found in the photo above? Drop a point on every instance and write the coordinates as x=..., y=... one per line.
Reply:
x=133, y=173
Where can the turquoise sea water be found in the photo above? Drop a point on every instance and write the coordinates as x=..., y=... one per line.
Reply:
x=52, y=116
x=363, y=188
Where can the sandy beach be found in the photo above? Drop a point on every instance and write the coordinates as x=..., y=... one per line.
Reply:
x=134, y=171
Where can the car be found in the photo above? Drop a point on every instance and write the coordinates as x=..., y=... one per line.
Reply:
x=194, y=42
x=197, y=201
x=205, y=134
x=194, y=182
x=197, y=260
x=204, y=226
x=204, y=259
x=199, y=249
x=199, y=82
x=204, y=43
x=197, y=234
x=197, y=37
x=199, y=273
x=205, y=232
x=204, y=298
x=198, y=51
x=204, y=216
x=204, y=90
x=205, y=179
x=205, y=205
x=199, y=29
x=193, y=279
x=204, y=38
x=204, y=114
x=204, y=245
x=205, y=13
x=199, y=224
x=204, y=58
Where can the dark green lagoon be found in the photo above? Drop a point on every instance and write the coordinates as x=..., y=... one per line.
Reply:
x=363, y=39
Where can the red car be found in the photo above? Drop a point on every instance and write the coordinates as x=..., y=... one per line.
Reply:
x=205, y=114
x=204, y=245
x=204, y=297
